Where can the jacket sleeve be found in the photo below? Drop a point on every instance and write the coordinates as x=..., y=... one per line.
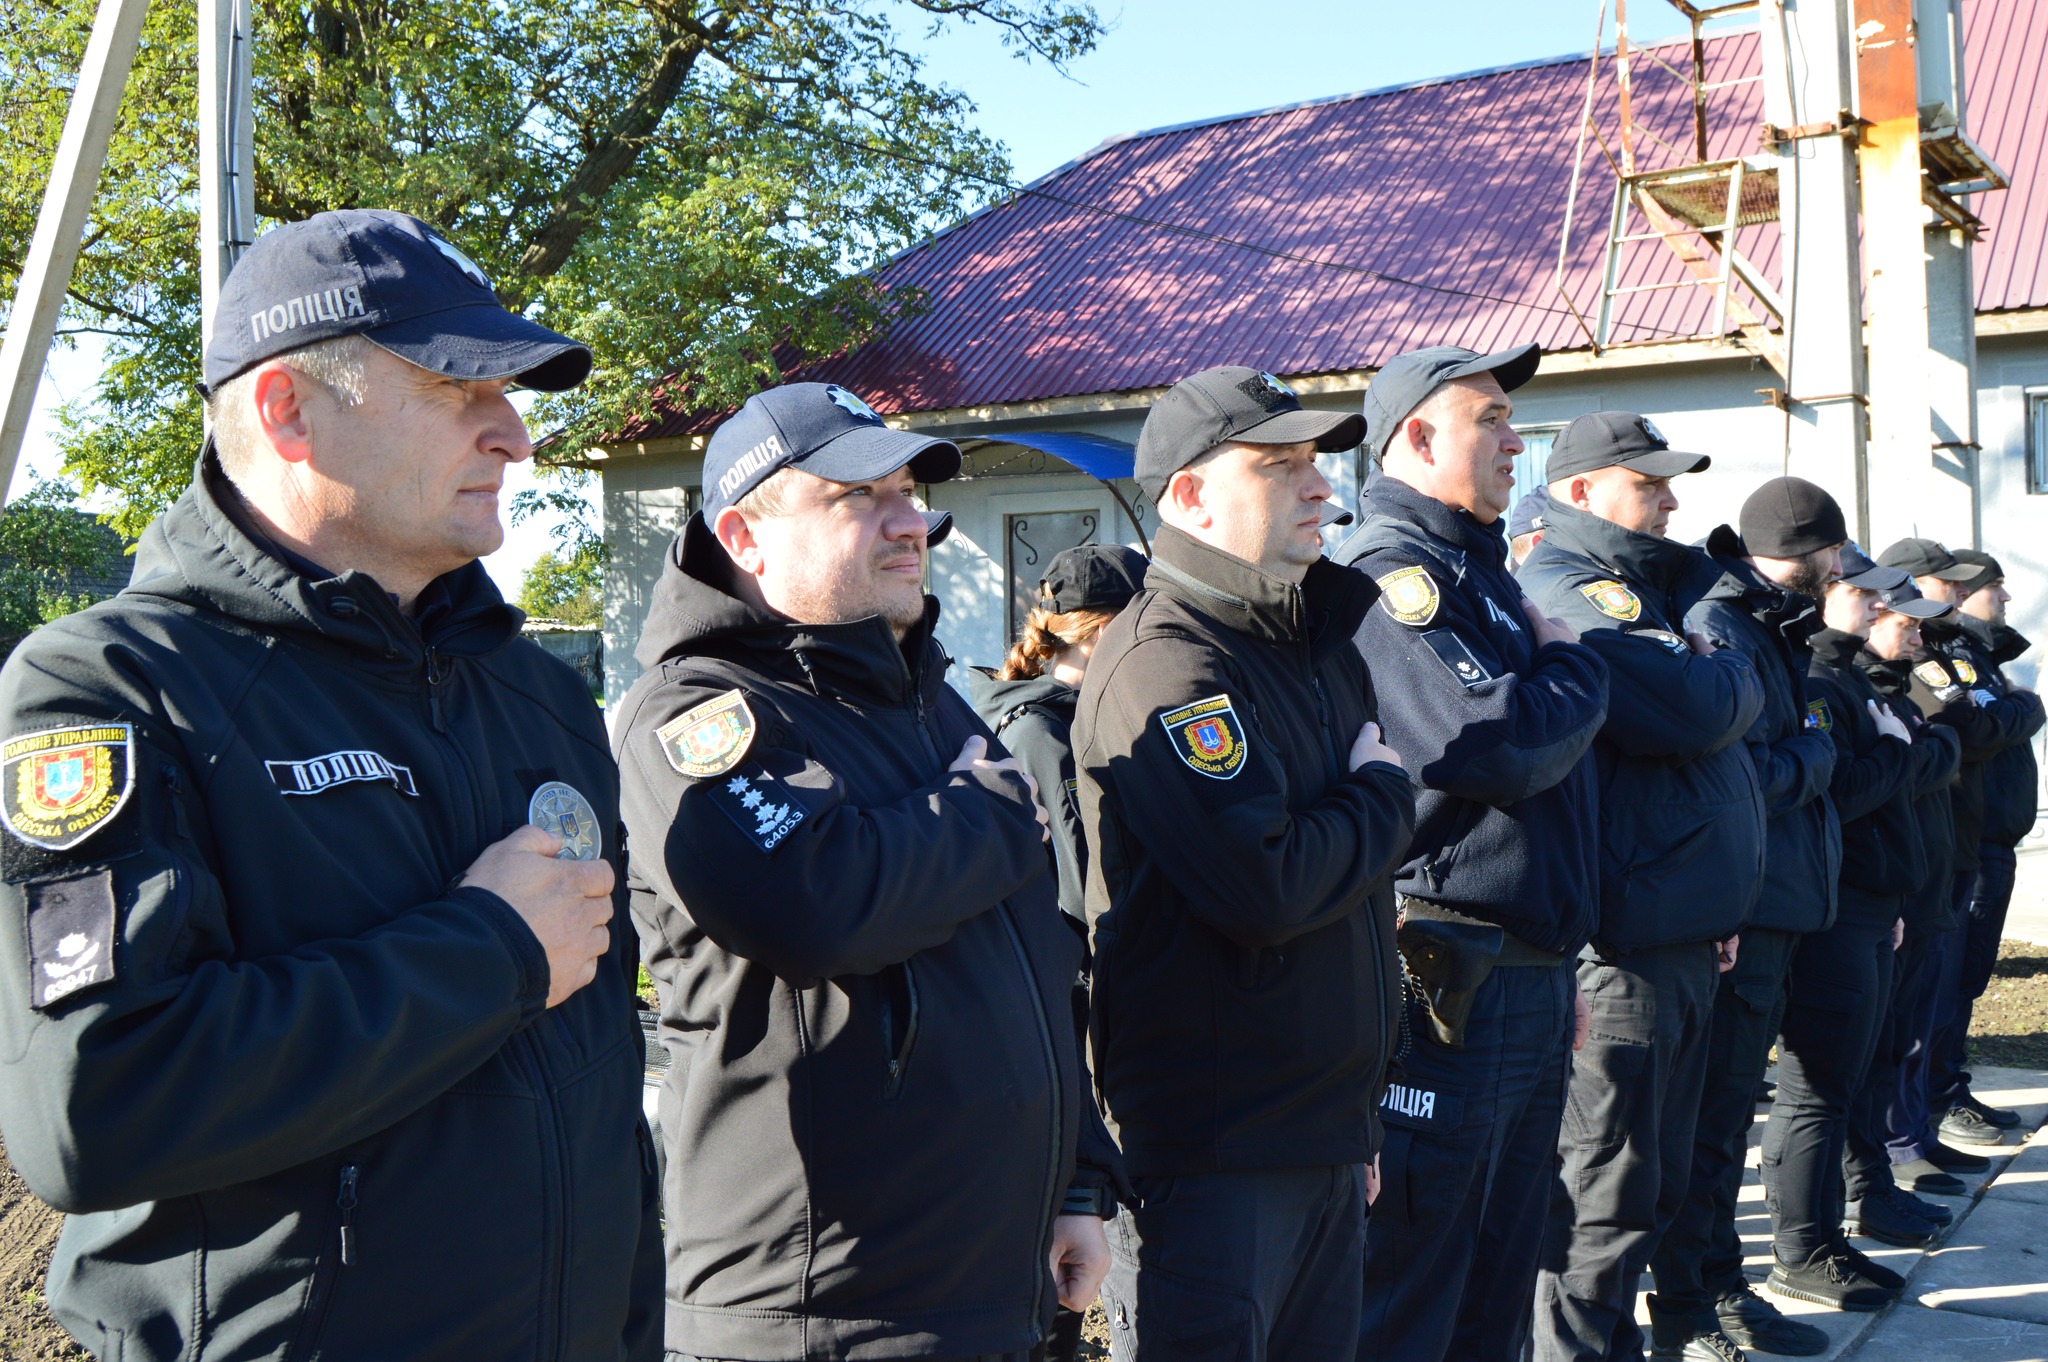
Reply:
x=1862, y=782
x=1242, y=858
x=1985, y=727
x=1663, y=699
x=1937, y=754
x=1794, y=770
x=1044, y=752
x=197, y=1066
x=1492, y=735
x=777, y=865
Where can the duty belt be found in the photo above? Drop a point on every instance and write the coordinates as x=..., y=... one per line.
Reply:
x=1514, y=952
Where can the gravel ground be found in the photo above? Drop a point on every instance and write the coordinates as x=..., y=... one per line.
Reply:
x=2010, y=1025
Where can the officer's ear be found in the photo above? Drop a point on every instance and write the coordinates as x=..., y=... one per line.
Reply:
x=1183, y=503
x=1578, y=491
x=736, y=537
x=279, y=393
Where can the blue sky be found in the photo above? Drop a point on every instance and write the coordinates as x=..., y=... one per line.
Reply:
x=1163, y=62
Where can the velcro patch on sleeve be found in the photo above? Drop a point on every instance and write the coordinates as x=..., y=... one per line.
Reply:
x=1613, y=600
x=70, y=936
x=1207, y=737
x=1665, y=637
x=763, y=806
x=710, y=739
x=1452, y=652
x=1931, y=674
x=1818, y=717
x=1412, y=1106
x=59, y=786
x=1410, y=595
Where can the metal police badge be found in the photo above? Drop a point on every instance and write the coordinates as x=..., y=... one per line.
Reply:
x=57, y=787
x=1613, y=600
x=1410, y=595
x=710, y=739
x=561, y=809
x=1207, y=736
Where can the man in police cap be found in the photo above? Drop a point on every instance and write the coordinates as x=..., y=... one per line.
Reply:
x=1243, y=817
x=1961, y=683
x=1526, y=523
x=1682, y=842
x=308, y=966
x=1495, y=706
x=844, y=897
x=1775, y=564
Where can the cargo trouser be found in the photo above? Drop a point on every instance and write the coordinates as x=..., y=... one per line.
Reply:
x=1626, y=1145
x=1450, y=1259
x=1983, y=929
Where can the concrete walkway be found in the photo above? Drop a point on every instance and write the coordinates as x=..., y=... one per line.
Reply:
x=2027, y=918
x=1980, y=1294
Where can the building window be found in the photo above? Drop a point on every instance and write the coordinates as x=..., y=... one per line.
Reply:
x=1031, y=540
x=2037, y=440
x=1532, y=465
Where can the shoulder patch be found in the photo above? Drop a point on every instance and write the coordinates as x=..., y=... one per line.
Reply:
x=59, y=786
x=1452, y=652
x=710, y=739
x=70, y=936
x=1613, y=600
x=759, y=804
x=1410, y=595
x=1665, y=637
x=1207, y=736
x=1818, y=718
x=1931, y=673
x=1965, y=673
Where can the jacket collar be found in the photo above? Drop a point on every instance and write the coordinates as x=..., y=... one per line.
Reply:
x=1677, y=570
x=1835, y=648
x=204, y=552
x=1389, y=496
x=1329, y=603
x=1793, y=614
x=1890, y=675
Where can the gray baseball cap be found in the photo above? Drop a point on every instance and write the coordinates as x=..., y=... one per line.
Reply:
x=1405, y=380
x=1231, y=402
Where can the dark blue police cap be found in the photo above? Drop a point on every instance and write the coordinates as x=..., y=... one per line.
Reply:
x=822, y=429
x=392, y=279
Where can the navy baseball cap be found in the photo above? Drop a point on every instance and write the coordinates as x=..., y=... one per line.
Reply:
x=1405, y=380
x=1905, y=599
x=822, y=429
x=393, y=280
x=1859, y=569
x=1602, y=439
x=1530, y=508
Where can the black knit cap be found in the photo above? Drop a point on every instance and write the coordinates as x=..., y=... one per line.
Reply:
x=1092, y=577
x=1790, y=518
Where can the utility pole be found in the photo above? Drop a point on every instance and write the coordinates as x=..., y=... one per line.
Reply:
x=60, y=226
x=1807, y=96
x=227, y=149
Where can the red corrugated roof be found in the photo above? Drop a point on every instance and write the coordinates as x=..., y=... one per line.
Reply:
x=1331, y=236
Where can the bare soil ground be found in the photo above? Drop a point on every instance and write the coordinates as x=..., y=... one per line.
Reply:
x=2010, y=1025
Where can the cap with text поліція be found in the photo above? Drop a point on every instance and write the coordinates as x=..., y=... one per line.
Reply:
x=1228, y=403
x=1405, y=381
x=1789, y=518
x=1607, y=439
x=393, y=280
x=824, y=430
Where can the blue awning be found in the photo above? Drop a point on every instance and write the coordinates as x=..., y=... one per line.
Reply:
x=1096, y=455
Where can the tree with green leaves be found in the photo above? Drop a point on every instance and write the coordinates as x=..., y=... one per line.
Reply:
x=694, y=187
x=55, y=559
x=569, y=588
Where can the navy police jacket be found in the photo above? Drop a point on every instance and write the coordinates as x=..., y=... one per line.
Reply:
x=1937, y=753
x=1793, y=759
x=875, y=1097
x=1246, y=985
x=1495, y=731
x=301, y=1097
x=1960, y=684
x=1681, y=815
x=1883, y=858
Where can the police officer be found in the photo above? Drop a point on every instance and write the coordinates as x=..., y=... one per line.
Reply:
x=843, y=896
x=1243, y=819
x=1892, y=1103
x=1029, y=705
x=1495, y=707
x=1840, y=982
x=1963, y=683
x=1775, y=563
x=1526, y=523
x=1682, y=842
x=308, y=968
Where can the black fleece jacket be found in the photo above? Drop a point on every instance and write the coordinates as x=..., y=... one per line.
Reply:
x=1937, y=756
x=1239, y=883
x=318, y=1107
x=1495, y=731
x=1034, y=719
x=1794, y=760
x=1958, y=683
x=1875, y=777
x=1682, y=817
x=875, y=1094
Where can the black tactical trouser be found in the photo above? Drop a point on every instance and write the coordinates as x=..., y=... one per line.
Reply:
x=1700, y=1256
x=1867, y=1157
x=1258, y=1266
x=1626, y=1146
x=1840, y=985
x=1984, y=928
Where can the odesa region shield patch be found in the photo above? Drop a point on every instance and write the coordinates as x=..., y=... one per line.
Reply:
x=1613, y=600
x=1207, y=736
x=710, y=739
x=1410, y=595
x=57, y=787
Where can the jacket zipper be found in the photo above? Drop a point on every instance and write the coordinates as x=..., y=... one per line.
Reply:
x=1052, y=1060
x=346, y=1201
x=899, y=1061
x=1379, y=960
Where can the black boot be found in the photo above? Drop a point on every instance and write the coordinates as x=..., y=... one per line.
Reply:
x=1876, y=1216
x=1754, y=1322
x=1932, y=1211
x=1955, y=1160
x=1829, y=1276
